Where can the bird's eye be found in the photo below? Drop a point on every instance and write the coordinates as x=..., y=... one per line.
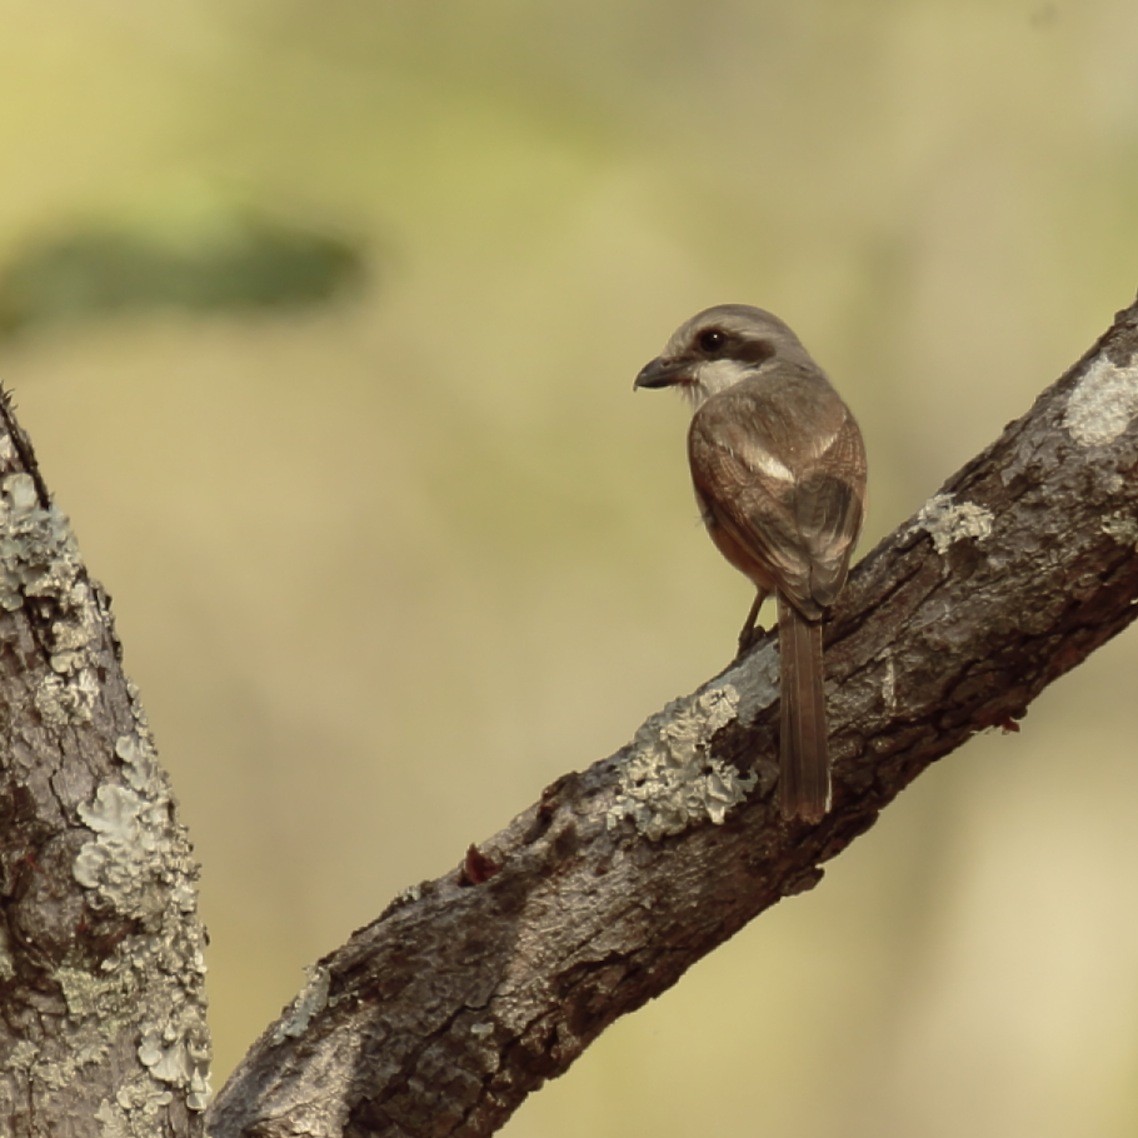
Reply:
x=712, y=340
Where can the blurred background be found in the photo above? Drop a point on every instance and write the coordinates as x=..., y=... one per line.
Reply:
x=324, y=321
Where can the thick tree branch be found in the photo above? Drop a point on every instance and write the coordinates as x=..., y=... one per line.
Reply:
x=470, y=991
x=102, y=1010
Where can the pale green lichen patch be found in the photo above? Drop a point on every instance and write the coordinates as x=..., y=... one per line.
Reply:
x=113, y=1122
x=755, y=680
x=1122, y=527
x=22, y=1057
x=139, y=865
x=128, y=830
x=94, y=995
x=39, y=558
x=309, y=1001
x=137, y=1112
x=7, y=962
x=947, y=521
x=60, y=702
x=1103, y=403
x=670, y=780
x=172, y=1057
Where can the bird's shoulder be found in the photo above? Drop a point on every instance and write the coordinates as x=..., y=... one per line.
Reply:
x=790, y=413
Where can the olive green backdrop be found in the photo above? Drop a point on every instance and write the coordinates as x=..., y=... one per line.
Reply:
x=387, y=564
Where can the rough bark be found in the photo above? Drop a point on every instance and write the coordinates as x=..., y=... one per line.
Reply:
x=440, y=1016
x=102, y=1012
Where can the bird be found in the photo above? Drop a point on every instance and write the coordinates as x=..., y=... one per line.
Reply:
x=779, y=471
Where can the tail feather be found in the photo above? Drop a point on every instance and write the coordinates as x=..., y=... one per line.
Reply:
x=804, y=781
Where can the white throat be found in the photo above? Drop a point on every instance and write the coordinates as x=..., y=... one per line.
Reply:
x=715, y=376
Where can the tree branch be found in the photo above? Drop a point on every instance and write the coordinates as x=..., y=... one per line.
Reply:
x=469, y=991
x=102, y=1009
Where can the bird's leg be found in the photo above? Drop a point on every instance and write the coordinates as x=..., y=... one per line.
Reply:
x=749, y=634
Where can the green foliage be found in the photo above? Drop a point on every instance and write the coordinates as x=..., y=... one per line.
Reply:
x=101, y=269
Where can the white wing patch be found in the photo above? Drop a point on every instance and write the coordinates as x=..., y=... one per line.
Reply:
x=766, y=463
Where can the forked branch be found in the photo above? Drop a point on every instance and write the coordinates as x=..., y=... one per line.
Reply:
x=440, y=1016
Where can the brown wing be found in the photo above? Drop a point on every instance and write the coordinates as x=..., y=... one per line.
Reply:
x=830, y=506
x=779, y=467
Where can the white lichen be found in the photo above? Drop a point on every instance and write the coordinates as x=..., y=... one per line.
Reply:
x=947, y=521
x=889, y=684
x=309, y=1001
x=137, y=1111
x=1122, y=527
x=112, y=1120
x=7, y=961
x=39, y=559
x=139, y=865
x=60, y=702
x=1103, y=403
x=172, y=1057
x=37, y=549
x=22, y=1057
x=670, y=780
x=89, y=995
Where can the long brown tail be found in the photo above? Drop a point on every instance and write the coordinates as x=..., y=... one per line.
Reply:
x=804, y=781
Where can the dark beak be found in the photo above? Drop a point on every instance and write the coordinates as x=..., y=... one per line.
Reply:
x=663, y=372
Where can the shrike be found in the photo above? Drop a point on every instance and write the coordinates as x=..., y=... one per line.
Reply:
x=778, y=465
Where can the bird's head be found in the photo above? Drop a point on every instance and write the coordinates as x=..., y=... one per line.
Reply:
x=720, y=346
